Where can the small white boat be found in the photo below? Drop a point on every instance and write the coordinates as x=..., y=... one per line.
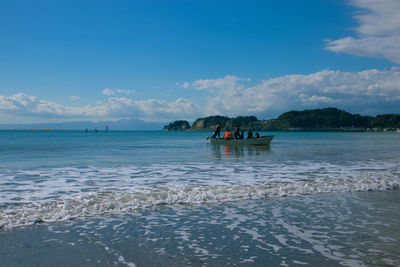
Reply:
x=260, y=141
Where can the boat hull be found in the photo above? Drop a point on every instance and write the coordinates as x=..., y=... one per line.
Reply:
x=261, y=141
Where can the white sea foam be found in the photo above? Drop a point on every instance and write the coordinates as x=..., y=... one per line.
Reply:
x=49, y=195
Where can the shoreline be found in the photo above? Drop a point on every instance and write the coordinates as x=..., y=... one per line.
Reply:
x=283, y=230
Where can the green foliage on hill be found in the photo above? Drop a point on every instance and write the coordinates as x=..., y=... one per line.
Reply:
x=210, y=123
x=177, y=126
x=315, y=119
x=385, y=121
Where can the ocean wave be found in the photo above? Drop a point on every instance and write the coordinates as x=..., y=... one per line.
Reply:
x=51, y=195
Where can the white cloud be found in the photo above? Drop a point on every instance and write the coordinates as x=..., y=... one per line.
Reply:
x=74, y=98
x=125, y=91
x=378, y=31
x=370, y=91
x=314, y=99
x=228, y=82
x=164, y=110
x=25, y=106
x=107, y=91
x=353, y=91
x=184, y=85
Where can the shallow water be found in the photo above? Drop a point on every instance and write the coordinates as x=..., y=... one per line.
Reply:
x=170, y=197
x=359, y=229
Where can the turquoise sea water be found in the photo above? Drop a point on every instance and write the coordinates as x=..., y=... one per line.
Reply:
x=160, y=198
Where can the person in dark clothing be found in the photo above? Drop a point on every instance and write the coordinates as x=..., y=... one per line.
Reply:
x=257, y=135
x=242, y=135
x=217, y=131
x=237, y=132
x=249, y=134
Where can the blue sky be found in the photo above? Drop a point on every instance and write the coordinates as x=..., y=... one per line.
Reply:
x=167, y=60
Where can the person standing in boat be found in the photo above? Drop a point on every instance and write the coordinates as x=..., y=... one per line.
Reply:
x=242, y=135
x=249, y=134
x=237, y=132
x=217, y=131
x=228, y=134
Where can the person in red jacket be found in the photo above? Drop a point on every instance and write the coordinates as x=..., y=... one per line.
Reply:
x=227, y=134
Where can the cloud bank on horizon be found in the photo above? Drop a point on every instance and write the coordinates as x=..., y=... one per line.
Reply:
x=364, y=92
x=370, y=91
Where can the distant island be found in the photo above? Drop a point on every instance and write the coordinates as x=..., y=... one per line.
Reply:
x=326, y=119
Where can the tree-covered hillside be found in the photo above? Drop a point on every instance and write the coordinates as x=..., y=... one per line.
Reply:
x=386, y=121
x=177, y=126
x=314, y=119
x=210, y=123
x=317, y=119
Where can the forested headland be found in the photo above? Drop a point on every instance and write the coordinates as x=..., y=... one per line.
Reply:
x=326, y=119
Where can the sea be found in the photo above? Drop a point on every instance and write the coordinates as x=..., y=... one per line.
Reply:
x=157, y=198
